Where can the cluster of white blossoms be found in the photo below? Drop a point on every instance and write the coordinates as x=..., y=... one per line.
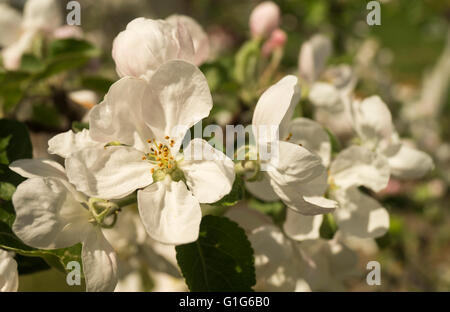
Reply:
x=134, y=149
x=18, y=34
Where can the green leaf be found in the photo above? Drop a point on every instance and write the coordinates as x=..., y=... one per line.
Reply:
x=46, y=114
x=15, y=144
x=65, y=47
x=235, y=195
x=78, y=126
x=29, y=265
x=6, y=190
x=66, y=54
x=7, y=214
x=96, y=83
x=30, y=63
x=276, y=210
x=220, y=260
x=12, y=85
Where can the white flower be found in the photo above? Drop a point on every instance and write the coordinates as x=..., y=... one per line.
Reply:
x=149, y=120
x=17, y=33
x=51, y=214
x=9, y=277
x=147, y=44
x=264, y=19
x=358, y=214
x=42, y=14
x=296, y=176
x=373, y=123
x=313, y=57
x=328, y=89
x=282, y=264
x=279, y=265
x=332, y=263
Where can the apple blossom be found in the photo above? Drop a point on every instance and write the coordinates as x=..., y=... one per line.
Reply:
x=293, y=174
x=9, y=277
x=283, y=264
x=146, y=44
x=358, y=214
x=17, y=33
x=372, y=121
x=278, y=263
x=313, y=57
x=136, y=135
x=328, y=89
x=51, y=214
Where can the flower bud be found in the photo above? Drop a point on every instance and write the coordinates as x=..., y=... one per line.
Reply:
x=264, y=19
x=277, y=40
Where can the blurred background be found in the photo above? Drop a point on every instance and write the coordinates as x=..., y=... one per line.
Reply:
x=406, y=60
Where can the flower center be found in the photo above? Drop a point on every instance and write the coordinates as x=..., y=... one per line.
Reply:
x=161, y=156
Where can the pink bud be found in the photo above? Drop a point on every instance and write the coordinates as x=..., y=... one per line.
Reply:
x=264, y=19
x=277, y=40
x=68, y=31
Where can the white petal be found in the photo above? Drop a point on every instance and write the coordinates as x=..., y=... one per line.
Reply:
x=199, y=37
x=48, y=216
x=119, y=116
x=67, y=143
x=325, y=95
x=108, y=173
x=33, y=168
x=357, y=165
x=312, y=136
x=306, y=198
x=146, y=44
x=294, y=164
x=169, y=212
x=276, y=106
x=42, y=14
x=99, y=262
x=373, y=120
x=360, y=215
x=313, y=57
x=9, y=277
x=300, y=227
x=209, y=173
x=262, y=189
x=12, y=55
x=408, y=163
x=179, y=97
x=10, y=21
